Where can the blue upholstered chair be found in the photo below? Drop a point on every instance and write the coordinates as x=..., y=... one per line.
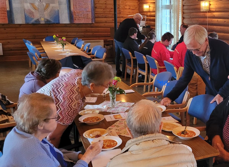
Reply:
x=0, y=153
x=100, y=55
x=86, y=47
x=129, y=63
x=33, y=59
x=171, y=68
x=74, y=41
x=94, y=49
x=79, y=45
x=141, y=59
x=159, y=81
x=49, y=38
x=78, y=40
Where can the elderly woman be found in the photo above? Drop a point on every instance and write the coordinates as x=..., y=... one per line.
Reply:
x=26, y=145
x=149, y=147
x=218, y=132
x=47, y=70
x=69, y=92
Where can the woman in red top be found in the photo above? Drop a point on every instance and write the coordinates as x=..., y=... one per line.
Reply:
x=160, y=51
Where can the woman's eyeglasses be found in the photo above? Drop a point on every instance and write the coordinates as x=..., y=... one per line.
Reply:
x=56, y=117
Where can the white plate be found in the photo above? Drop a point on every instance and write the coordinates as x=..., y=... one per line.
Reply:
x=91, y=134
x=89, y=111
x=91, y=115
x=161, y=107
x=179, y=129
x=116, y=138
x=170, y=129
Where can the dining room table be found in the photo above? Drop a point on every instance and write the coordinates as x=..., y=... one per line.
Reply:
x=55, y=51
x=201, y=149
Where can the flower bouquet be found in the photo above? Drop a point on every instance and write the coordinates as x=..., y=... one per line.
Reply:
x=56, y=39
x=62, y=41
x=113, y=89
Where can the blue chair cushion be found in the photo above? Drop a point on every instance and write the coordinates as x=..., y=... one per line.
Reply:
x=161, y=79
x=170, y=86
x=201, y=107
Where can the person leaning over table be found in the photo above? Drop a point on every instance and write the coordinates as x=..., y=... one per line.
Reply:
x=209, y=58
x=47, y=70
x=26, y=145
x=217, y=130
x=69, y=92
x=149, y=147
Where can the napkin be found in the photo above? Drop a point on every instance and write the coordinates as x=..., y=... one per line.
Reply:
x=98, y=107
x=114, y=117
x=129, y=91
x=90, y=99
x=102, y=159
x=168, y=119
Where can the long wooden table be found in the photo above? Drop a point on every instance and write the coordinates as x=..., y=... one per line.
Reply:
x=200, y=148
x=54, y=51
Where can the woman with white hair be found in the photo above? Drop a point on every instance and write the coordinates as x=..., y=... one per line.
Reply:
x=149, y=147
x=26, y=145
x=69, y=92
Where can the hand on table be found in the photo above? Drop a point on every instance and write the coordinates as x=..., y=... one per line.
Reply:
x=223, y=154
x=216, y=143
x=165, y=101
x=93, y=150
x=217, y=98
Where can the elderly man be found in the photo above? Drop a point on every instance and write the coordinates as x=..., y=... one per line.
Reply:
x=207, y=57
x=183, y=28
x=149, y=147
x=121, y=35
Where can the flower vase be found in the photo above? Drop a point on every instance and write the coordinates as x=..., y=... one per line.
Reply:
x=63, y=47
x=112, y=99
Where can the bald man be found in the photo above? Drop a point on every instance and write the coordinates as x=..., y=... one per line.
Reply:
x=121, y=35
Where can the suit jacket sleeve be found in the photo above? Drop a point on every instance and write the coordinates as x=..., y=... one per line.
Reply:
x=183, y=81
x=217, y=119
x=224, y=90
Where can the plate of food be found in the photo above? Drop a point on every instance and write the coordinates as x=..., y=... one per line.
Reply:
x=161, y=107
x=89, y=111
x=109, y=142
x=95, y=133
x=191, y=132
x=91, y=119
x=169, y=126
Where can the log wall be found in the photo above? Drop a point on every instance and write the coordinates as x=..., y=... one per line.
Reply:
x=150, y=20
x=217, y=19
x=12, y=34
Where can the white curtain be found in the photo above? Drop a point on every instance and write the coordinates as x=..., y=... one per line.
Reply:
x=168, y=18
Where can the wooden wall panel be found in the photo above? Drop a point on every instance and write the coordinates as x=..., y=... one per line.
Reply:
x=150, y=14
x=12, y=34
x=217, y=19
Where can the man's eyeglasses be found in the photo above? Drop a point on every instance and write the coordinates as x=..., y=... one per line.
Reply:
x=56, y=117
x=195, y=50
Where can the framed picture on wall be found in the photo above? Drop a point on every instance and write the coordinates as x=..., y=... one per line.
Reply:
x=46, y=11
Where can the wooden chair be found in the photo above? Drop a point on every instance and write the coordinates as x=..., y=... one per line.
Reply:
x=93, y=50
x=86, y=47
x=153, y=64
x=129, y=63
x=49, y=38
x=74, y=41
x=159, y=81
x=141, y=59
x=33, y=59
x=79, y=45
x=100, y=55
x=199, y=107
x=180, y=102
x=171, y=68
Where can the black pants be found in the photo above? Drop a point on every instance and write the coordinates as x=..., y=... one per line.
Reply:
x=65, y=139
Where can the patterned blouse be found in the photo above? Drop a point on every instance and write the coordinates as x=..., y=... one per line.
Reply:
x=65, y=91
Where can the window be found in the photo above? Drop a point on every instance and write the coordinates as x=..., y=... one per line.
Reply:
x=168, y=18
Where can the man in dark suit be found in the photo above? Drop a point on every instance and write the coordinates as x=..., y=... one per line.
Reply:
x=121, y=35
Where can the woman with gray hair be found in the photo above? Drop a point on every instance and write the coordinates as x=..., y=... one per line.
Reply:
x=149, y=147
x=69, y=92
x=35, y=118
